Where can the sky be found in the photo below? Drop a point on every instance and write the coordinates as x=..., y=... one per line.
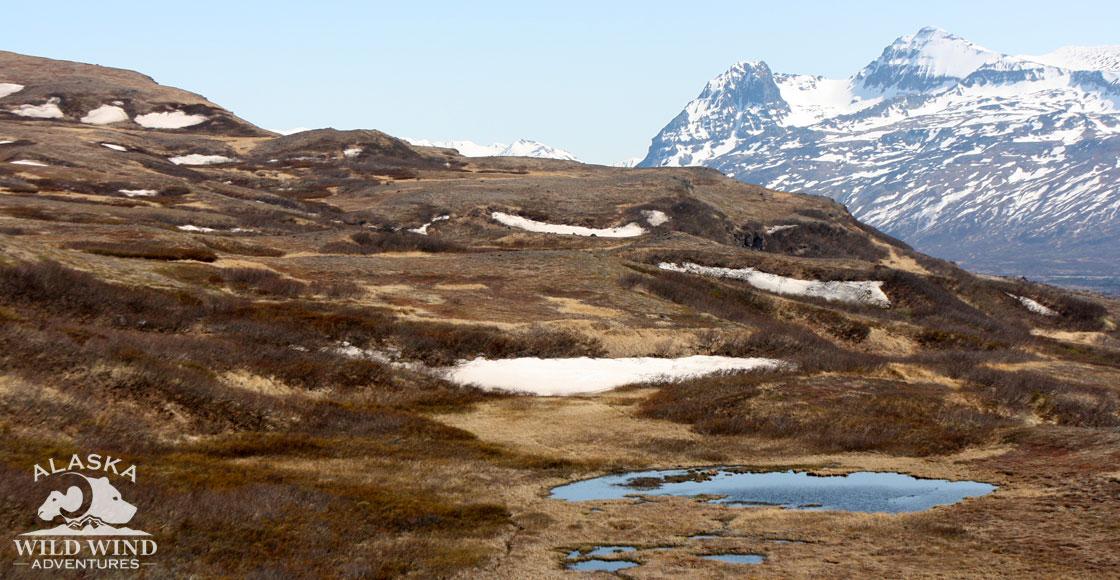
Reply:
x=597, y=78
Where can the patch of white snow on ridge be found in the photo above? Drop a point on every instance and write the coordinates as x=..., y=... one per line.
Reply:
x=198, y=159
x=138, y=192
x=48, y=110
x=114, y=147
x=352, y=152
x=9, y=89
x=28, y=162
x=572, y=376
x=775, y=229
x=169, y=120
x=1034, y=306
x=863, y=292
x=105, y=115
x=292, y=131
x=629, y=230
x=655, y=217
x=423, y=230
x=192, y=228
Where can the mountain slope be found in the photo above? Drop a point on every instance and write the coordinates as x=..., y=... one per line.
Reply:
x=1002, y=163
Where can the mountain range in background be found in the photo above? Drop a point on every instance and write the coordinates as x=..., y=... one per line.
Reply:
x=1005, y=164
x=519, y=148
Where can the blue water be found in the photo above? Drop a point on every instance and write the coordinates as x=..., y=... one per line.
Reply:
x=856, y=492
x=608, y=550
x=605, y=565
x=737, y=558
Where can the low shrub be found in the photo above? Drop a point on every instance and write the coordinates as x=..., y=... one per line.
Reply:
x=146, y=251
x=375, y=242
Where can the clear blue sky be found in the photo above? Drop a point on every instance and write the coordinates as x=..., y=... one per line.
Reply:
x=597, y=78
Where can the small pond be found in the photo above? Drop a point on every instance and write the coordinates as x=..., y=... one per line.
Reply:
x=856, y=492
x=604, y=565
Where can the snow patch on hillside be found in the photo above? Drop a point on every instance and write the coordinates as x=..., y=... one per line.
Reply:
x=114, y=147
x=9, y=89
x=655, y=217
x=423, y=230
x=198, y=159
x=48, y=110
x=1034, y=306
x=863, y=292
x=28, y=162
x=627, y=231
x=169, y=120
x=138, y=192
x=105, y=115
x=573, y=376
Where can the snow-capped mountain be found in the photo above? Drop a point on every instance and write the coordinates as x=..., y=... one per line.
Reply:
x=1008, y=164
x=519, y=148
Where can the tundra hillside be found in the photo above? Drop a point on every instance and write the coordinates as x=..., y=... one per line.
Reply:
x=257, y=322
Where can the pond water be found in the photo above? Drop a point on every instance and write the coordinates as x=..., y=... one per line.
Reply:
x=736, y=558
x=857, y=492
x=604, y=551
x=605, y=565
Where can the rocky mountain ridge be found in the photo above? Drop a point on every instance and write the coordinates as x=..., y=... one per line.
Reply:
x=1002, y=163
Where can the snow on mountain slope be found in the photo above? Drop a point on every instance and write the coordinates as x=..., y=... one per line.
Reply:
x=1105, y=58
x=1005, y=163
x=519, y=148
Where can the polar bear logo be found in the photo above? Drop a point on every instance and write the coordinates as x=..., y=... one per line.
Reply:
x=101, y=501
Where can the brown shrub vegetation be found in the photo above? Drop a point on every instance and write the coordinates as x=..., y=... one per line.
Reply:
x=145, y=250
x=399, y=241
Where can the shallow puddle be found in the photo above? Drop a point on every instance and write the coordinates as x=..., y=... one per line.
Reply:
x=604, y=565
x=606, y=551
x=736, y=558
x=857, y=492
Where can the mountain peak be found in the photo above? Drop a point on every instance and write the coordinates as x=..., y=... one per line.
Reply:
x=746, y=84
x=926, y=60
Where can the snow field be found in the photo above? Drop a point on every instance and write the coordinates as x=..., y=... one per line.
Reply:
x=862, y=292
x=1034, y=306
x=105, y=115
x=198, y=159
x=9, y=89
x=655, y=217
x=423, y=230
x=573, y=376
x=629, y=230
x=169, y=120
x=48, y=110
